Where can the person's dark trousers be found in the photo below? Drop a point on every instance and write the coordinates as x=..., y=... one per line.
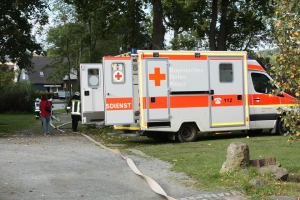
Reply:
x=75, y=120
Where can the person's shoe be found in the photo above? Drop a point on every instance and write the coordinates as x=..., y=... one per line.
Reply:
x=48, y=133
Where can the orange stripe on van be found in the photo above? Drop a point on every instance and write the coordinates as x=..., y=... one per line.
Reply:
x=256, y=67
x=176, y=57
x=194, y=101
x=160, y=102
x=178, y=102
x=189, y=101
x=118, y=104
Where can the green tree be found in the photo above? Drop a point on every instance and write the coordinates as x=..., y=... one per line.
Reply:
x=218, y=24
x=98, y=17
x=66, y=47
x=286, y=67
x=112, y=25
x=17, y=19
x=238, y=25
x=6, y=77
x=180, y=17
x=65, y=42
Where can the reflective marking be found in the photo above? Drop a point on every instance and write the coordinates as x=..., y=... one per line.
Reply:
x=228, y=124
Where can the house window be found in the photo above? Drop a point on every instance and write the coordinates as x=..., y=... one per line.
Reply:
x=42, y=74
x=54, y=89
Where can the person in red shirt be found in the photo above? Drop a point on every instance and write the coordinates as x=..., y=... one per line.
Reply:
x=45, y=115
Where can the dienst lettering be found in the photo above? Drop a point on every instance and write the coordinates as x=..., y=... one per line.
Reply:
x=117, y=106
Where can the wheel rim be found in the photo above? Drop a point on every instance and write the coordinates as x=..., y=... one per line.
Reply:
x=187, y=133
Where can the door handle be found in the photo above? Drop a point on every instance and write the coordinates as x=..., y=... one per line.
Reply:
x=257, y=99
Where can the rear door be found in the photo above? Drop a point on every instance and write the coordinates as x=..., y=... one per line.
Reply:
x=227, y=95
x=157, y=84
x=92, y=100
x=119, y=108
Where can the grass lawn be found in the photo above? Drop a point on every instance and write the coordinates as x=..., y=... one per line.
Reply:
x=203, y=159
x=13, y=122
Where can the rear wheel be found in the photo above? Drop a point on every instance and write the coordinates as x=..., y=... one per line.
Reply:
x=188, y=132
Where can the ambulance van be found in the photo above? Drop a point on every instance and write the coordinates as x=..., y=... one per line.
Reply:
x=177, y=94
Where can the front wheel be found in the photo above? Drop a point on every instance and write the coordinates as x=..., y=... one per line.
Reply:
x=188, y=132
x=281, y=127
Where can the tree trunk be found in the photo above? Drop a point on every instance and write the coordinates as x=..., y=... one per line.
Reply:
x=158, y=27
x=212, y=30
x=69, y=67
x=90, y=39
x=222, y=35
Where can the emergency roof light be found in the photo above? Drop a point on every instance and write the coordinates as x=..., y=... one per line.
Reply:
x=133, y=50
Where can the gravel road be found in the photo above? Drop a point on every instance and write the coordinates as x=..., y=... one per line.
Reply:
x=69, y=166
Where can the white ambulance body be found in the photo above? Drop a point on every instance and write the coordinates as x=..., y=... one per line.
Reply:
x=175, y=94
x=91, y=90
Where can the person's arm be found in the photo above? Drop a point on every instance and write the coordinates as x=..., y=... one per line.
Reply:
x=69, y=104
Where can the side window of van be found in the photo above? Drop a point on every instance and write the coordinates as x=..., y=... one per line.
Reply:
x=261, y=83
x=226, y=73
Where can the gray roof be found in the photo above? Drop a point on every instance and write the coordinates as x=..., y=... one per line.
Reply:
x=39, y=63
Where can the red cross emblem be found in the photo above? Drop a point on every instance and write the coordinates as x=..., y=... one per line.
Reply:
x=157, y=76
x=118, y=76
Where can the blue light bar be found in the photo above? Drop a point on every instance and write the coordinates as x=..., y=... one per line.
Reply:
x=133, y=50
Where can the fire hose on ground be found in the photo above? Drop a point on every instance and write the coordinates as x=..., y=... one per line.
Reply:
x=152, y=183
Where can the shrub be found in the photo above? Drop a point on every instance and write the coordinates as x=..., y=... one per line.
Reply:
x=18, y=97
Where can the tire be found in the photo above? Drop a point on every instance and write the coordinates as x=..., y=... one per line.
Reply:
x=188, y=132
x=281, y=128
